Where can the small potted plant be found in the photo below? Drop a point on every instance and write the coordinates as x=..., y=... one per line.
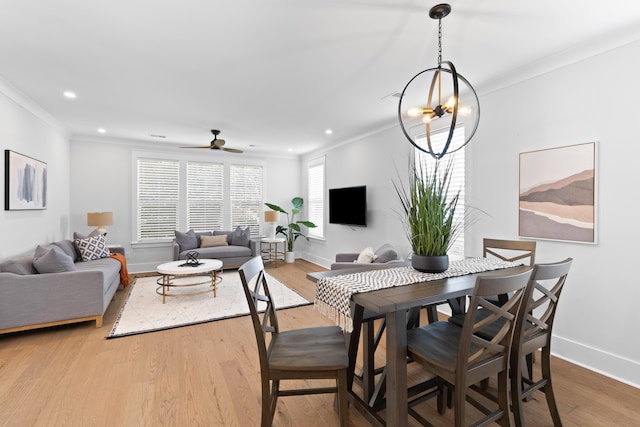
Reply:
x=292, y=231
x=428, y=212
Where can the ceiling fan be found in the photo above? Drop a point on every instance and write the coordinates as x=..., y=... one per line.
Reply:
x=217, y=144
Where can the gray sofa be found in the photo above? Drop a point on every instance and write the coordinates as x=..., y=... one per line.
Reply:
x=239, y=249
x=385, y=256
x=30, y=300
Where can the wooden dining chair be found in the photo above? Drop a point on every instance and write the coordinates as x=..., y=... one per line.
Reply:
x=461, y=358
x=510, y=250
x=532, y=332
x=301, y=354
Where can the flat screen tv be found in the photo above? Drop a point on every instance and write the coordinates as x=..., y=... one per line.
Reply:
x=348, y=205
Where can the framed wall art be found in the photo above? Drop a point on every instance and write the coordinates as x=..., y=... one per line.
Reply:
x=25, y=182
x=557, y=195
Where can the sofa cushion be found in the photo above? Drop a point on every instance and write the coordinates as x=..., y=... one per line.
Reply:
x=22, y=264
x=385, y=253
x=366, y=256
x=52, y=259
x=92, y=248
x=187, y=240
x=212, y=241
x=241, y=237
x=68, y=248
x=224, y=233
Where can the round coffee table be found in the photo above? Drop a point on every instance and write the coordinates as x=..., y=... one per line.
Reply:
x=177, y=269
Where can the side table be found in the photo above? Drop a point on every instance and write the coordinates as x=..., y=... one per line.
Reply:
x=269, y=250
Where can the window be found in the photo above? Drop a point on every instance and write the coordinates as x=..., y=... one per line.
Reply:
x=457, y=177
x=205, y=196
x=246, y=197
x=315, y=204
x=158, y=198
x=183, y=194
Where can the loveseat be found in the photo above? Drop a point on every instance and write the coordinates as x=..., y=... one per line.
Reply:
x=233, y=248
x=52, y=285
x=383, y=257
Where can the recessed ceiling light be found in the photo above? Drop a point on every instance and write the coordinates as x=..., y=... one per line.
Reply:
x=101, y=130
x=69, y=94
x=328, y=131
x=153, y=135
x=289, y=149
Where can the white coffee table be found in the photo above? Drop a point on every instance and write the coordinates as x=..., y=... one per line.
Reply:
x=176, y=269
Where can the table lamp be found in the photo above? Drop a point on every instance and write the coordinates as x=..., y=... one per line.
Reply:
x=271, y=217
x=100, y=220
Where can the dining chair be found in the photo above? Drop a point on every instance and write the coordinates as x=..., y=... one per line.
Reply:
x=532, y=332
x=461, y=358
x=300, y=354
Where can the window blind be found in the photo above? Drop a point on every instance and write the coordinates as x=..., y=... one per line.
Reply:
x=158, y=198
x=315, y=205
x=246, y=197
x=205, y=189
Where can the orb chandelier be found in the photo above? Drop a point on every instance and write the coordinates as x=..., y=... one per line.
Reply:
x=439, y=101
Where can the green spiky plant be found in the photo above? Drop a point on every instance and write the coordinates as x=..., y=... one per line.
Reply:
x=292, y=231
x=428, y=211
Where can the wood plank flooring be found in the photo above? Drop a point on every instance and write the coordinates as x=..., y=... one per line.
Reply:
x=208, y=375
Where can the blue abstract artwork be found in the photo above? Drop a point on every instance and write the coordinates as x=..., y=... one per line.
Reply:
x=25, y=182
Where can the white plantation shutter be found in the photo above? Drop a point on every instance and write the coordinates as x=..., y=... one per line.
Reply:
x=457, y=176
x=205, y=190
x=315, y=204
x=158, y=195
x=246, y=197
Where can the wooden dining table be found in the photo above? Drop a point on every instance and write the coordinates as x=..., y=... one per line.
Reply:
x=394, y=303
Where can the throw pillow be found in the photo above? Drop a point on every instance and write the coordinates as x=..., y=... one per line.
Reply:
x=211, y=241
x=366, y=256
x=92, y=248
x=77, y=235
x=68, y=248
x=52, y=259
x=241, y=237
x=386, y=255
x=187, y=241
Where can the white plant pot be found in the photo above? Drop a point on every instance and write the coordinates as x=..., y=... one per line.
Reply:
x=289, y=257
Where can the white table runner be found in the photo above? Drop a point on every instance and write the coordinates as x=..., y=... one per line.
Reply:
x=333, y=294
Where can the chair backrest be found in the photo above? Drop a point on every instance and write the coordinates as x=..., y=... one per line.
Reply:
x=256, y=290
x=535, y=321
x=473, y=349
x=510, y=250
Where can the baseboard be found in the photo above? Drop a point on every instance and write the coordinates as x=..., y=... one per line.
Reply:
x=610, y=365
x=322, y=262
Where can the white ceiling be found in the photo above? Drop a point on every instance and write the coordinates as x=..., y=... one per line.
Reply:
x=274, y=74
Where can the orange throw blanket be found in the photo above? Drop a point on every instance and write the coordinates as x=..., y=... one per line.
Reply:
x=124, y=274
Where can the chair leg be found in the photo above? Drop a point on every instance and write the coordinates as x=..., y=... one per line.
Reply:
x=548, y=388
x=503, y=397
x=269, y=401
x=343, y=403
x=517, y=370
x=459, y=404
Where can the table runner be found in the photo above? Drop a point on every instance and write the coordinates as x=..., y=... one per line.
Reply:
x=333, y=294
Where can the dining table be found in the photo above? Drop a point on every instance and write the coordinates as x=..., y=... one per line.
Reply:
x=393, y=304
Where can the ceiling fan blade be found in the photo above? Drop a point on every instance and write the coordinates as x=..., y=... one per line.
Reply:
x=232, y=150
x=199, y=146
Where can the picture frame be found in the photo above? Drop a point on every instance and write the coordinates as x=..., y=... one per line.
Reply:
x=557, y=194
x=25, y=182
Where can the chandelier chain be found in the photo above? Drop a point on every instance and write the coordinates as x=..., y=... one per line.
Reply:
x=439, y=41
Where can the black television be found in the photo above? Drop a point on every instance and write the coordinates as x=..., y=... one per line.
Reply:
x=348, y=205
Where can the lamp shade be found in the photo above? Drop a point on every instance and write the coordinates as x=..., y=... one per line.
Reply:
x=270, y=216
x=98, y=219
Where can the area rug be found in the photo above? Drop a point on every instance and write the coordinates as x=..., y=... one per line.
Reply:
x=143, y=310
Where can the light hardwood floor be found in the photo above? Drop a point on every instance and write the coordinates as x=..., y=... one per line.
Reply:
x=208, y=375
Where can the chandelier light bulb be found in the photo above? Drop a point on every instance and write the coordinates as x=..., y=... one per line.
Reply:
x=414, y=112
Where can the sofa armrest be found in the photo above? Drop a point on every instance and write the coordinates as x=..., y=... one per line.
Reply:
x=117, y=249
x=176, y=250
x=254, y=244
x=346, y=257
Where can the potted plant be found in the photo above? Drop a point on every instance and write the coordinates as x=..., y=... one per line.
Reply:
x=428, y=212
x=292, y=231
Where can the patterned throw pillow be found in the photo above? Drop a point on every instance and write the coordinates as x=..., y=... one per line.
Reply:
x=92, y=248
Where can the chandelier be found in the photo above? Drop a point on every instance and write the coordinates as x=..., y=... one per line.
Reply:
x=439, y=101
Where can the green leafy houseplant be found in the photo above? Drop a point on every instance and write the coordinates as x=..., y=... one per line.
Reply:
x=292, y=231
x=428, y=210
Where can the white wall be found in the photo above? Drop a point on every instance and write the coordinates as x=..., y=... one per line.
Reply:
x=595, y=99
x=28, y=130
x=102, y=179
